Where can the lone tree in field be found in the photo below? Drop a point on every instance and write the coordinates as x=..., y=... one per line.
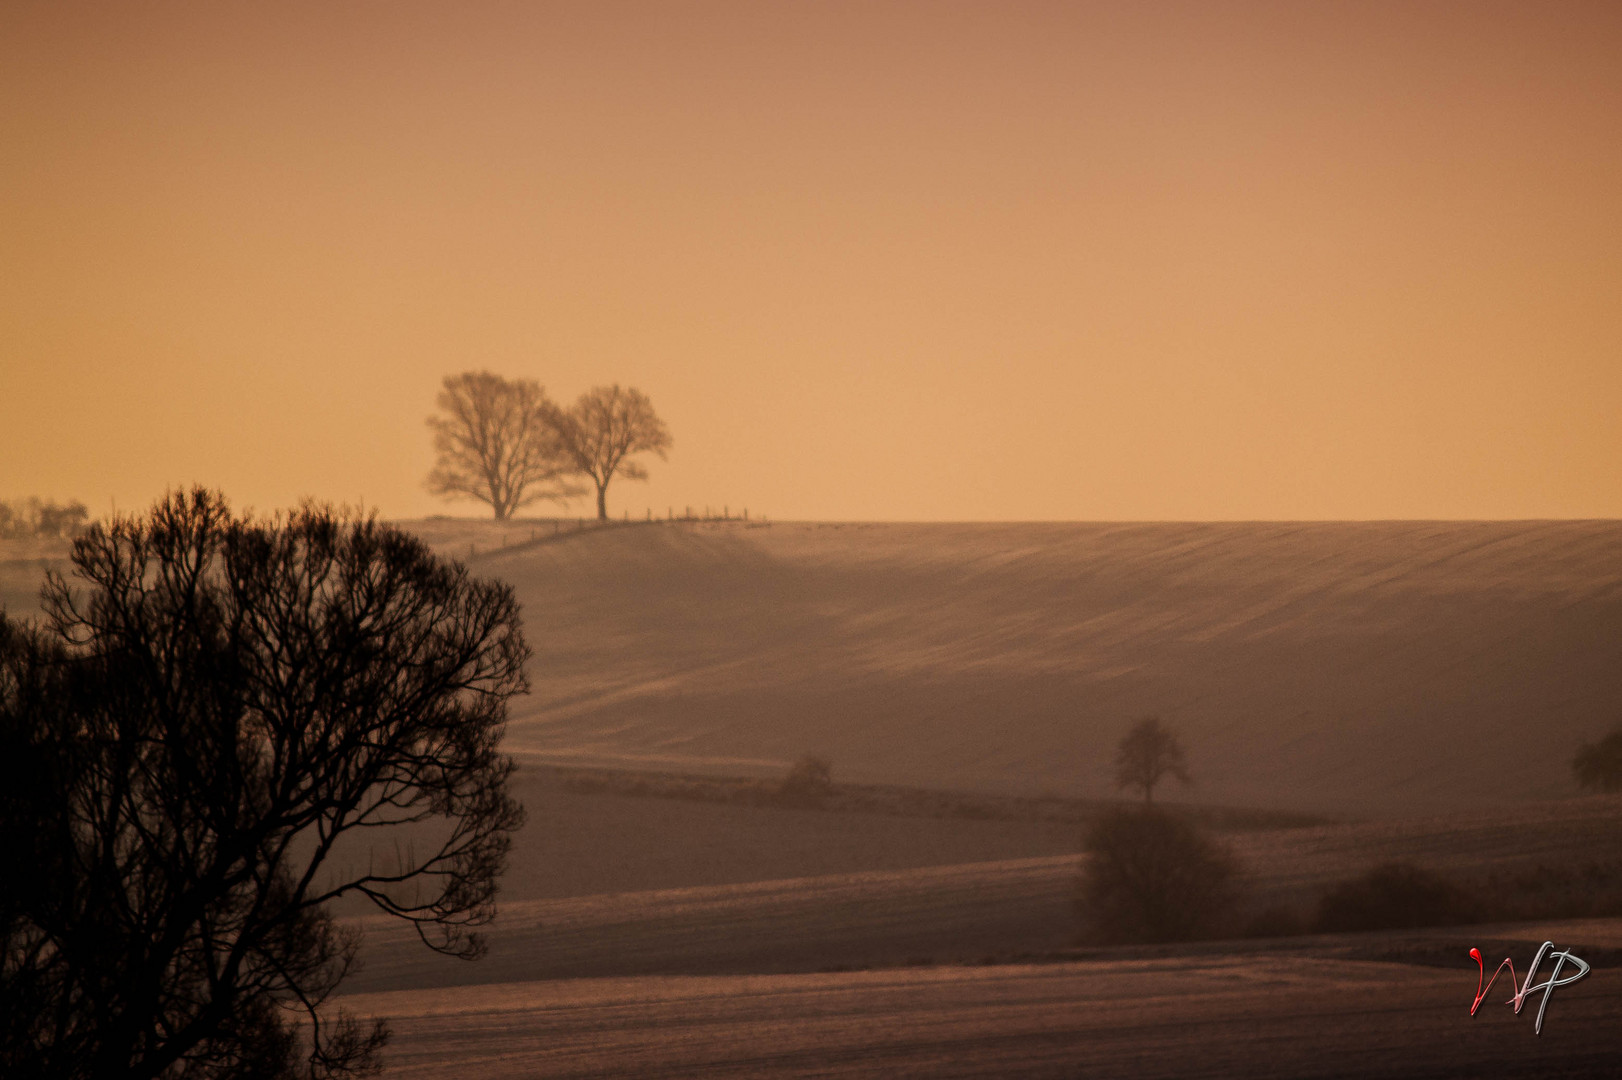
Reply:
x=1147, y=754
x=603, y=429
x=496, y=442
x=223, y=726
x=1598, y=766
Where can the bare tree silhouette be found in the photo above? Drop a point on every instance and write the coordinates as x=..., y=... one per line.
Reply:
x=602, y=430
x=1148, y=753
x=196, y=753
x=496, y=442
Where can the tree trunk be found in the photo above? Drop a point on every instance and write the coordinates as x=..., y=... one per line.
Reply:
x=602, y=502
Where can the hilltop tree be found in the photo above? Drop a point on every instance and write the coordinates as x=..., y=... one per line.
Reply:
x=1598, y=766
x=496, y=442
x=203, y=749
x=602, y=430
x=1148, y=753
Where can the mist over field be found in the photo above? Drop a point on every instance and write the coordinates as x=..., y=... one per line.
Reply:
x=1357, y=668
x=1423, y=683
x=1348, y=694
x=1177, y=617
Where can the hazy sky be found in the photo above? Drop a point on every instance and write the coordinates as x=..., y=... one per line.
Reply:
x=931, y=260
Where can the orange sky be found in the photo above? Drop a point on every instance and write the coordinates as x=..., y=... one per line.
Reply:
x=871, y=260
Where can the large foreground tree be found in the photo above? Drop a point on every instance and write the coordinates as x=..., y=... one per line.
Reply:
x=496, y=441
x=221, y=725
x=603, y=429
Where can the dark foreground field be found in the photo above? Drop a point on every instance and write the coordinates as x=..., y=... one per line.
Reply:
x=1423, y=683
x=605, y=885
x=876, y=963
x=1252, y=1012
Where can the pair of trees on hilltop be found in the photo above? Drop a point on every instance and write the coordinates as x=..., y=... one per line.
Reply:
x=504, y=442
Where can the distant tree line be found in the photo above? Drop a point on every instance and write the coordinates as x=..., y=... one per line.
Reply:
x=42, y=517
x=504, y=442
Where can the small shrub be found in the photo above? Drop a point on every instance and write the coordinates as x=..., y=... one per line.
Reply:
x=1152, y=876
x=810, y=780
x=1275, y=921
x=1598, y=766
x=1393, y=896
x=1591, y=889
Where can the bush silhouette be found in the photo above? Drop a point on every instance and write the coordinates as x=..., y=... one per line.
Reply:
x=1393, y=896
x=1276, y=920
x=809, y=780
x=1153, y=876
x=1598, y=766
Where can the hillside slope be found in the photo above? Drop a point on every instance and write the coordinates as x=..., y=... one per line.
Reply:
x=1353, y=668
x=953, y=913
x=1385, y=667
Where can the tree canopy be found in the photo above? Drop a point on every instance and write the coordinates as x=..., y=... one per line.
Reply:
x=1150, y=876
x=217, y=721
x=603, y=429
x=1147, y=754
x=496, y=441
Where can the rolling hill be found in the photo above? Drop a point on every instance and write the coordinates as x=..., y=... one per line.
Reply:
x=1348, y=668
x=1354, y=668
